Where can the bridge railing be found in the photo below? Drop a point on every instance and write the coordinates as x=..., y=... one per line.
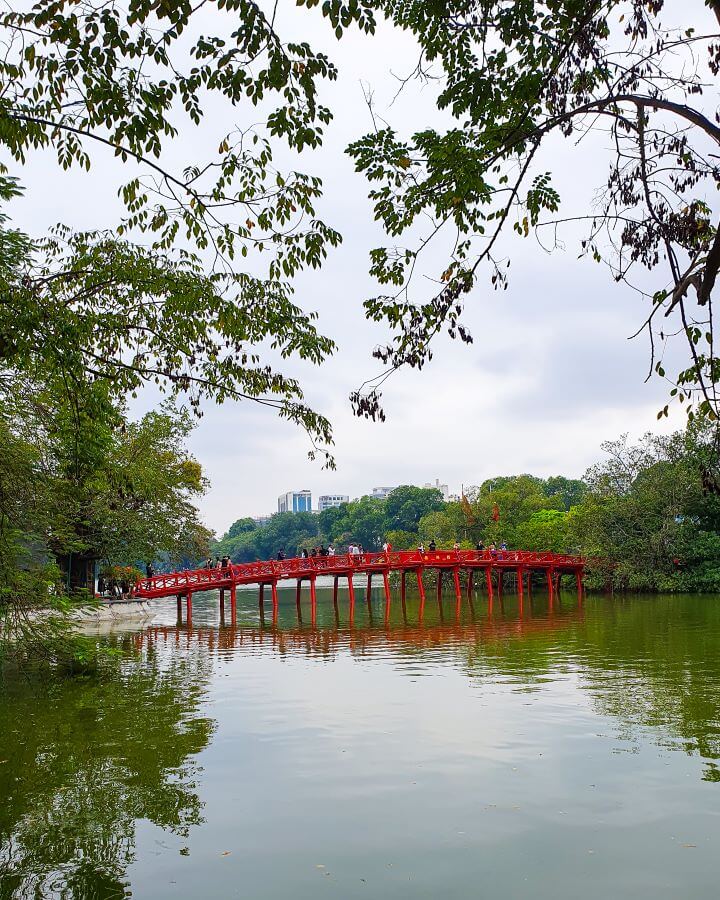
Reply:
x=345, y=563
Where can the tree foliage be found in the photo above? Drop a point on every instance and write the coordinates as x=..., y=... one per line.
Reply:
x=221, y=237
x=515, y=79
x=81, y=481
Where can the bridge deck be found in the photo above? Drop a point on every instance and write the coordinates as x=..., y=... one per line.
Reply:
x=270, y=572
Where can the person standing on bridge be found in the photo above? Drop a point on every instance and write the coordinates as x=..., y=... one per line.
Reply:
x=456, y=545
x=432, y=546
x=479, y=546
x=303, y=553
x=331, y=550
x=149, y=571
x=281, y=555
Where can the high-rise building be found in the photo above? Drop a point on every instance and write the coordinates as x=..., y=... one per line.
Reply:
x=295, y=501
x=327, y=501
x=443, y=488
x=380, y=493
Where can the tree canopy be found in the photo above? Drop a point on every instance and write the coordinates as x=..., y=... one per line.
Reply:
x=197, y=272
x=515, y=79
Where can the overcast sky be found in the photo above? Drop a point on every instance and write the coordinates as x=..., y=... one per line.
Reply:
x=550, y=375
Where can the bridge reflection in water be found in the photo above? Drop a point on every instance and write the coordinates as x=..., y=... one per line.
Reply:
x=414, y=623
x=519, y=567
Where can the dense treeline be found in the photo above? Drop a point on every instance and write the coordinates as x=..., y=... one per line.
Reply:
x=84, y=486
x=644, y=516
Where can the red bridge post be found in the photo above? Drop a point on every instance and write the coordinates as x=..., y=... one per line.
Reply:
x=313, y=601
x=351, y=592
x=456, y=580
x=274, y=601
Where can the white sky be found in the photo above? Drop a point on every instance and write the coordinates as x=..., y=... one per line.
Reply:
x=551, y=373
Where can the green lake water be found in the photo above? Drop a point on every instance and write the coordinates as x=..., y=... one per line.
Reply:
x=545, y=752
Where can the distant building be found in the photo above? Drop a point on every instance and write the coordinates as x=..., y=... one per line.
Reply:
x=327, y=501
x=380, y=493
x=295, y=501
x=443, y=488
x=261, y=521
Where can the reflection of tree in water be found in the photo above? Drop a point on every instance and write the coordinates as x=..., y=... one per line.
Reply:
x=83, y=759
x=647, y=662
x=662, y=670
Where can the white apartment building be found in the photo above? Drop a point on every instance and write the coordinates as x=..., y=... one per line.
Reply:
x=380, y=493
x=443, y=488
x=295, y=501
x=328, y=501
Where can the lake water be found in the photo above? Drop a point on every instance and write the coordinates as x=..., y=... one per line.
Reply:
x=550, y=752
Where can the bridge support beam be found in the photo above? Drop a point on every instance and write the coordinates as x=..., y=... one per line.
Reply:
x=222, y=604
x=351, y=592
x=368, y=592
x=550, y=574
x=275, y=604
x=386, y=586
x=313, y=601
x=188, y=607
x=456, y=581
x=335, y=589
x=421, y=586
x=421, y=591
x=402, y=587
x=179, y=608
x=439, y=585
x=233, y=604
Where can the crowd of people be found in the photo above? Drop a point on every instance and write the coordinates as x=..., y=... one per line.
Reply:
x=119, y=588
x=355, y=550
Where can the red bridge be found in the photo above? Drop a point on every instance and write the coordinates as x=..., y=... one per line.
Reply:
x=494, y=564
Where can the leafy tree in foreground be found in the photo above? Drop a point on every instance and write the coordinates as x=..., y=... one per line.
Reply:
x=648, y=519
x=222, y=236
x=517, y=78
x=80, y=483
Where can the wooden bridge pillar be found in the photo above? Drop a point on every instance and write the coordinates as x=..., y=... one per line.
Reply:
x=313, y=601
x=488, y=583
x=368, y=593
x=439, y=585
x=179, y=609
x=275, y=604
x=188, y=607
x=421, y=591
x=233, y=603
x=386, y=585
x=335, y=590
x=222, y=604
x=402, y=587
x=351, y=592
x=456, y=580
x=520, y=581
x=551, y=587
